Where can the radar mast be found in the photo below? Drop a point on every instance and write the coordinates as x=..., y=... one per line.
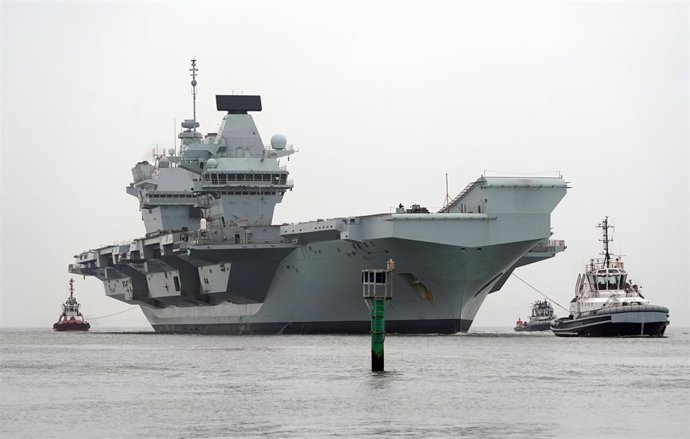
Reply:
x=606, y=239
x=190, y=135
x=193, y=75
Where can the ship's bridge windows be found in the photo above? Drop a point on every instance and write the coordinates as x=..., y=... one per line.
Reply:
x=224, y=178
x=609, y=282
x=279, y=178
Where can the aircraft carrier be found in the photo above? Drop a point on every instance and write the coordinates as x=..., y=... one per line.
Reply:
x=211, y=260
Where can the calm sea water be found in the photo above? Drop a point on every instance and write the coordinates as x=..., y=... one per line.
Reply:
x=489, y=383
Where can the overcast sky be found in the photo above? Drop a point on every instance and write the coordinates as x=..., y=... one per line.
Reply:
x=382, y=99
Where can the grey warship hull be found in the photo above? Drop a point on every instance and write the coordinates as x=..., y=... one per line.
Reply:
x=212, y=261
x=315, y=286
x=317, y=289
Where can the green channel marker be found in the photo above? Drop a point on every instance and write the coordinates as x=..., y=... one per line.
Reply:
x=378, y=333
x=377, y=290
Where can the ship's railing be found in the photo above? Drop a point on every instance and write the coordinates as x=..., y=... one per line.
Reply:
x=501, y=174
x=600, y=263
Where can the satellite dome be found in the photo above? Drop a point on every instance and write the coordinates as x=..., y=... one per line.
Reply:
x=171, y=151
x=211, y=163
x=278, y=141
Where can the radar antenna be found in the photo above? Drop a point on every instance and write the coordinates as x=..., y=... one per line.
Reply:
x=606, y=239
x=193, y=75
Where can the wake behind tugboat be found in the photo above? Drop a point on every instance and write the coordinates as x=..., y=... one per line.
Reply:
x=71, y=319
x=608, y=304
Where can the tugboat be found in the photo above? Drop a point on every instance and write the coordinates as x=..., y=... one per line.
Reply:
x=608, y=304
x=540, y=320
x=71, y=319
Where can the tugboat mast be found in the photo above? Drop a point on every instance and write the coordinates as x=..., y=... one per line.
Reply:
x=605, y=229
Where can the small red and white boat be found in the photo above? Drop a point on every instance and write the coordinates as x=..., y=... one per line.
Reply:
x=71, y=319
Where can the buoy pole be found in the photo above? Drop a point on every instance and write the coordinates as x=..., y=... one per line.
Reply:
x=378, y=333
x=377, y=290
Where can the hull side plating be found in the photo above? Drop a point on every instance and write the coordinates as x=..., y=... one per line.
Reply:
x=437, y=289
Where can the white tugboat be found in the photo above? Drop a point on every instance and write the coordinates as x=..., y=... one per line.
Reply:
x=71, y=318
x=540, y=320
x=608, y=304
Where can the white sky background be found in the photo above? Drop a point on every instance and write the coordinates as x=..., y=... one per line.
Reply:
x=381, y=98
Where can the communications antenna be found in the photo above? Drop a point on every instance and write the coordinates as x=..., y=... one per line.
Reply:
x=447, y=200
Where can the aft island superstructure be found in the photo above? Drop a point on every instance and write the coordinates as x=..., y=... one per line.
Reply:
x=211, y=260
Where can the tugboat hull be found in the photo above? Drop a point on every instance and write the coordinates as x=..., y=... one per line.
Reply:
x=537, y=326
x=71, y=326
x=627, y=320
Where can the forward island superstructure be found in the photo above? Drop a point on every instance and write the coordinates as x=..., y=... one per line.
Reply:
x=212, y=261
